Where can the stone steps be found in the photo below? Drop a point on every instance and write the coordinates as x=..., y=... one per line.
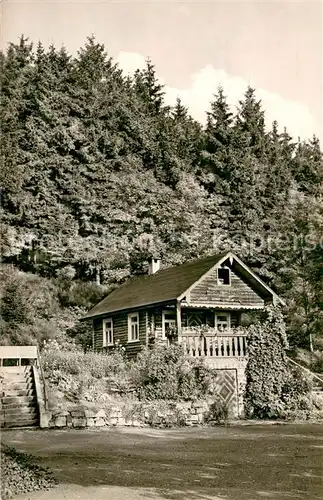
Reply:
x=24, y=372
x=19, y=392
x=19, y=418
x=23, y=404
x=27, y=421
x=17, y=386
x=18, y=401
x=6, y=384
x=16, y=411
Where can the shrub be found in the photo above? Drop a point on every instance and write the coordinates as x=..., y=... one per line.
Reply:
x=267, y=369
x=31, y=312
x=317, y=362
x=296, y=395
x=70, y=359
x=75, y=375
x=311, y=360
x=19, y=474
x=79, y=293
x=81, y=332
x=26, y=296
x=164, y=372
x=218, y=413
x=273, y=390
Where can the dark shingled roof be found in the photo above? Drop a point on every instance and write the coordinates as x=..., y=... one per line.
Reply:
x=164, y=286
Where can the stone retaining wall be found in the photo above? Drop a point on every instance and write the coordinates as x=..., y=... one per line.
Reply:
x=137, y=415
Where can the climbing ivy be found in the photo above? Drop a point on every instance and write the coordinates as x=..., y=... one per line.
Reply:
x=273, y=388
x=267, y=368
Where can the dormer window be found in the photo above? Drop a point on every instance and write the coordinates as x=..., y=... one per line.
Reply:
x=224, y=277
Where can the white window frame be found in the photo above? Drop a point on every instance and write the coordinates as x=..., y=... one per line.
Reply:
x=173, y=313
x=130, y=324
x=217, y=323
x=217, y=276
x=105, y=339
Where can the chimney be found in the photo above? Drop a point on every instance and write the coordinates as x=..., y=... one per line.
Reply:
x=153, y=266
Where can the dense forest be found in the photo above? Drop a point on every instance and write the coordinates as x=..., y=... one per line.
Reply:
x=98, y=174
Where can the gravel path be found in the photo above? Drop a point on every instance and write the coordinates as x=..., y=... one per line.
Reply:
x=276, y=462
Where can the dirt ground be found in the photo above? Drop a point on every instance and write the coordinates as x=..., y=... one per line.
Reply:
x=257, y=462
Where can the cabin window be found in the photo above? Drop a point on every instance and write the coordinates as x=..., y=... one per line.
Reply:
x=224, y=277
x=133, y=327
x=168, y=323
x=222, y=321
x=107, y=332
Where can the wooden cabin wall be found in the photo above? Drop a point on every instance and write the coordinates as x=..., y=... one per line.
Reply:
x=98, y=333
x=120, y=332
x=238, y=293
x=152, y=318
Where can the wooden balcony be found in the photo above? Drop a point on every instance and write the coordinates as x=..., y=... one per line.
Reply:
x=213, y=343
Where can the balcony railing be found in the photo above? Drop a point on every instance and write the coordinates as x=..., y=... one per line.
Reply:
x=214, y=343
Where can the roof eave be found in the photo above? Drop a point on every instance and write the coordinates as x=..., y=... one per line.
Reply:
x=133, y=308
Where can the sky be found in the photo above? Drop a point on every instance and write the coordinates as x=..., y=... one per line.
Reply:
x=274, y=46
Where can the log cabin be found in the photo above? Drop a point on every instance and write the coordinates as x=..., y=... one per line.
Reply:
x=198, y=304
x=175, y=303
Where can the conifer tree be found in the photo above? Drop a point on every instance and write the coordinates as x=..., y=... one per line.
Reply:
x=307, y=165
x=250, y=124
x=217, y=137
x=94, y=163
x=148, y=87
x=297, y=264
x=15, y=80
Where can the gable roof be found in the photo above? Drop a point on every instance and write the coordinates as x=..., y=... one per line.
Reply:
x=166, y=285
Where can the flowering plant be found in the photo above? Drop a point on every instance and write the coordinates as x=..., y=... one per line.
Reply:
x=118, y=347
x=171, y=331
